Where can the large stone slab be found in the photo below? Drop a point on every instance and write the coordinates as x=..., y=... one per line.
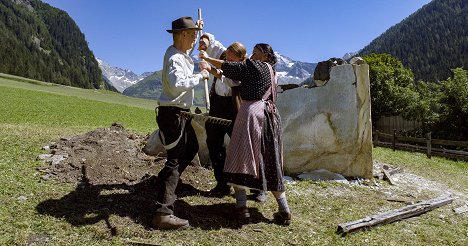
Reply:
x=329, y=127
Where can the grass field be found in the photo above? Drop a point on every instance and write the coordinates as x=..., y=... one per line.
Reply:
x=33, y=114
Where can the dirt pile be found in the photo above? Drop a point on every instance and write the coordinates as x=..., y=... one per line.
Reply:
x=106, y=156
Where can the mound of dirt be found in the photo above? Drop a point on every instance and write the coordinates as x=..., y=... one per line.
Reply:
x=107, y=156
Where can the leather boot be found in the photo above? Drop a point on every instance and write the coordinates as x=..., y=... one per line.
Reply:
x=282, y=218
x=242, y=213
x=220, y=191
x=169, y=222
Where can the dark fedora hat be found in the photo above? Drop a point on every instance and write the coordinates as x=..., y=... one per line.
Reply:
x=183, y=23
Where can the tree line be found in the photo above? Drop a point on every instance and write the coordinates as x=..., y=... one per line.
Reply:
x=442, y=106
x=430, y=42
x=42, y=42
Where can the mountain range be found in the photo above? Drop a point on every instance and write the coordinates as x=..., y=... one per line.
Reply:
x=148, y=85
x=120, y=78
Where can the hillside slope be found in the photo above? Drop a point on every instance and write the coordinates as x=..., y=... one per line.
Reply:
x=431, y=41
x=42, y=42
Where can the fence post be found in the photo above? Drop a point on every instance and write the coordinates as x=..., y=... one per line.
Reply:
x=376, y=138
x=429, y=144
x=394, y=139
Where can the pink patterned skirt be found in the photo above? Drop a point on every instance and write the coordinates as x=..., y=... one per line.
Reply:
x=248, y=158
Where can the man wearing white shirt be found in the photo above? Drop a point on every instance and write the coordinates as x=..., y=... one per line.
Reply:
x=176, y=134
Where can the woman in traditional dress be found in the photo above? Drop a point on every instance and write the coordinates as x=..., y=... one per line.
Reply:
x=254, y=155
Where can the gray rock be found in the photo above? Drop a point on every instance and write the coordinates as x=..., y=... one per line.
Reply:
x=44, y=157
x=22, y=198
x=55, y=160
x=323, y=175
x=356, y=60
x=288, y=179
x=322, y=70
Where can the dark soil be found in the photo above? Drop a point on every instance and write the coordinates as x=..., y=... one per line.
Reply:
x=114, y=177
x=110, y=156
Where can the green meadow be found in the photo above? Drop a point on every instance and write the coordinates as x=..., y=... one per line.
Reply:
x=34, y=113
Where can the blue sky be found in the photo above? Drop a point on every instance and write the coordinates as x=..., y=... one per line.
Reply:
x=132, y=34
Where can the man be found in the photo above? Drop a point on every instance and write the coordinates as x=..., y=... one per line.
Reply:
x=176, y=134
x=221, y=107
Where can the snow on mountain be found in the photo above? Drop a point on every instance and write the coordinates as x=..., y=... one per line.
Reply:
x=120, y=78
x=289, y=71
x=349, y=55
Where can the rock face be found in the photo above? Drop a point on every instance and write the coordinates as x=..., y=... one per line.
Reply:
x=322, y=71
x=329, y=127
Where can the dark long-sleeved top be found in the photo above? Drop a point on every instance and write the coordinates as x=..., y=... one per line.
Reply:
x=254, y=76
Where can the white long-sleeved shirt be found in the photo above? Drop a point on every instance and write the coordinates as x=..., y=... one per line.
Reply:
x=178, y=79
x=214, y=50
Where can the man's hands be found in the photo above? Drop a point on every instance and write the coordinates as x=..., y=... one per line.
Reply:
x=205, y=74
x=204, y=65
x=200, y=24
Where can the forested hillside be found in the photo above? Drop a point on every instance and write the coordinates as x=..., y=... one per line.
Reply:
x=42, y=42
x=431, y=42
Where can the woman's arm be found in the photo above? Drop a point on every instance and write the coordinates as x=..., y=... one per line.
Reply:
x=217, y=63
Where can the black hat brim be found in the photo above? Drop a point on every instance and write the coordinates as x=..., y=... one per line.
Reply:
x=177, y=30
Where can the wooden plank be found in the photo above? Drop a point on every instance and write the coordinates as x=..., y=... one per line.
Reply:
x=437, y=152
x=386, y=135
x=388, y=176
x=403, y=200
x=136, y=242
x=450, y=143
x=394, y=171
x=393, y=215
x=423, y=140
x=449, y=151
x=411, y=139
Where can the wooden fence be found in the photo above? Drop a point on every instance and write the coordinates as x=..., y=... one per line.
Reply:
x=387, y=124
x=426, y=145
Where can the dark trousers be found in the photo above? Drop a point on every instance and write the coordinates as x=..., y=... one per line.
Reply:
x=178, y=158
x=221, y=107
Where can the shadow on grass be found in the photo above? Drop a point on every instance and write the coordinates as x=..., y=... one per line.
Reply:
x=89, y=204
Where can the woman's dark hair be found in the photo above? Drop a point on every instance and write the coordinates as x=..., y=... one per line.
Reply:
x=266, y=49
